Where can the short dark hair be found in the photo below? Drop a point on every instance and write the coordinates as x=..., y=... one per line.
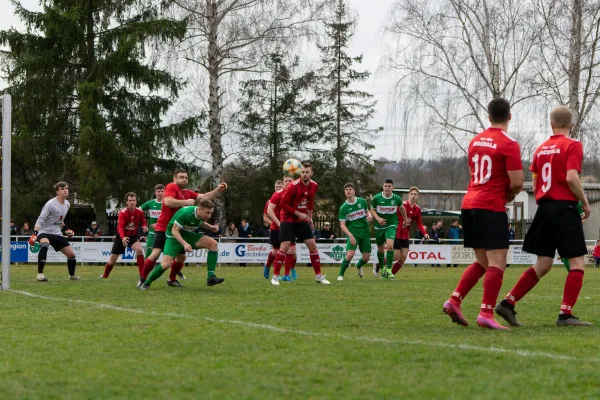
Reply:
x=130, y=194
x=498, y=110
x=244, y=219
x=179, y=171
x=347, y=185
x=206, y=203
x=454, y=220
x=389, y=181
x=159, y=187
x=61, y=185
x=306, y=164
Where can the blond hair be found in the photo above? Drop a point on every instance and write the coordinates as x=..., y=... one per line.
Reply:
x=561, y=117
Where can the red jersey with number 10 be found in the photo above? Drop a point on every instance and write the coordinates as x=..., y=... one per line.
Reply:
x=491, y=154
x=130, y=221
x=297, y=197
x=551, y=161
x=415, y=216
x=276, y=200
x=166, y=213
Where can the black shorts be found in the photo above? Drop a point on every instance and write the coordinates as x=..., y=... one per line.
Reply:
x=160, y=239
x=400, y=244
x=274, y=239
x=118, y=248
x=56, y=241
x=556, y=226
x=295, y=230
x=485, y=229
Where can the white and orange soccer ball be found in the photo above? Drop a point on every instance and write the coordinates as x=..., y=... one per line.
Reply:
x=292, y=168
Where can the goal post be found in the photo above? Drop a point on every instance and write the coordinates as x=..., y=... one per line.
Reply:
x=6, y=189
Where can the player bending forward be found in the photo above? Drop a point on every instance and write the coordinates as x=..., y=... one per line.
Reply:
x=129, y=221
x=274, y=213
x=47, y=231
x=557, y=224
x=354, y=219
x=297, y=206
x=496, y=178
x=182, y=236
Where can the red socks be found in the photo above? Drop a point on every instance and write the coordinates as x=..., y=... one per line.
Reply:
x=148, y=267
x=270, y=259
x=289, y=263
x=492, y=283
x=571, y=291
x=467, y=281
x=107, y=269
x=278, y=262
x=526, y=282
x=397, y=267
x=175, y=269
x=140, y=264
x=315, y=261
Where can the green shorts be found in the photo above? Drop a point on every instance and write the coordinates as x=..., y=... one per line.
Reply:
x=363, y=242
x=381, y=235
x=149, y=243
x=173, y=247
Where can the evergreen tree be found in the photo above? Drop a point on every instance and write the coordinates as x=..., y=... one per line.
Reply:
x=275, y=119
x=344, y=112
x=88, y=106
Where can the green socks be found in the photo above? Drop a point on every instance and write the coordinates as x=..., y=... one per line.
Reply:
x=390, y=258
x=344, y=267
x=211, y=262
x=360, y=263
x=380, y=257
x=155, y=274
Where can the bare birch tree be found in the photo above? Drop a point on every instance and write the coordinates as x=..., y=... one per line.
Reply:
x=453, y=56
x=228, y=37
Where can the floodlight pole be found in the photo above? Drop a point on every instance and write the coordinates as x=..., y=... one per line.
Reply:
x=6, y=189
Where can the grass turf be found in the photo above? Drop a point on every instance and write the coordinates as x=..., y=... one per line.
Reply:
x=245, y=339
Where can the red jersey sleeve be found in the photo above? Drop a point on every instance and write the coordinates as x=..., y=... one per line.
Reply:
x=121, y=224
x=286, y=199
x=266, y=207
x=597, y=251
x=513, y=157
x=419, y=222
x=189, y=194
x=311, y=201
x=142, y=217
x=575, y=156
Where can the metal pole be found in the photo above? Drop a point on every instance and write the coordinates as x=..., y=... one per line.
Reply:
x=6, y=189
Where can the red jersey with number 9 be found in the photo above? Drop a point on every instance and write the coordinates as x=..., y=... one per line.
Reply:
x=491, y=154
x=550, y=163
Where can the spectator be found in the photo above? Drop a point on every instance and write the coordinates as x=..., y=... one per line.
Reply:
x=26, y=229
x=434, y=238
x=244, y=229
x=314, y=231
x=511, y=233
x=92, y=232
x=597, y=253
x=440, y=230
x=14, y=229
x=264, y=230
x=231, y=231
x=326, y=232
x=454, y=234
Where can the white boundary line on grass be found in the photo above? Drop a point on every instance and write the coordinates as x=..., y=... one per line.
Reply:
x=467, y=347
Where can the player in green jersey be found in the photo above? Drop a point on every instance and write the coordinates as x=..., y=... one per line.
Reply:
x=384, y=208
x=354, y=221
x=181, y=235
x=152, y=207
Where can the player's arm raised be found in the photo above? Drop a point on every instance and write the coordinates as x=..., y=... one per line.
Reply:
x=213, y=193
x=271, y=214
x=177, y=235
x=209, y=227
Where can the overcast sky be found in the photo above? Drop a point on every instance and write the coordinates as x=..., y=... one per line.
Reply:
x=372, y=15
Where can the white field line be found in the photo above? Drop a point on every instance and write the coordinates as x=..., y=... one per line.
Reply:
x=272, y=328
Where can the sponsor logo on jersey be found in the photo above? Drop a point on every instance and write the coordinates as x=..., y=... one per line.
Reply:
x=154, y=213
x=356, y=215
x=386, y=209
x=130, y=226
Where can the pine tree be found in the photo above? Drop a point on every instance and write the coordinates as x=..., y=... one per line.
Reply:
x=344, y=112
x=89, y=107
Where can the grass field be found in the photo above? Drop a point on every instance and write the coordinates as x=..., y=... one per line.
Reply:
x=246, y=339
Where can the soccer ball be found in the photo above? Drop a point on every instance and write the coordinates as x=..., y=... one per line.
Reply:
x=292, y=168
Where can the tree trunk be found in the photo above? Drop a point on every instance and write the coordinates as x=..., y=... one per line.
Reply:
x=575, y=63
x=101, y=217
x=214, y=110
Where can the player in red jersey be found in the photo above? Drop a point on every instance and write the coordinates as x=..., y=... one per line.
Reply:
x=496, y=178
x=269, y=220
x=401, y=243
x=297, y=205
x=557, y=224
x=274, y=214
x=175, y=197
x=130, y=219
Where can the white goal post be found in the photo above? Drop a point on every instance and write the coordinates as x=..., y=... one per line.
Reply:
x=6, y=189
